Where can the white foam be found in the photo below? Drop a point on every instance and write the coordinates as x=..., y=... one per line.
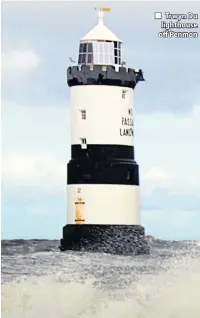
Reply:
x=174, y=293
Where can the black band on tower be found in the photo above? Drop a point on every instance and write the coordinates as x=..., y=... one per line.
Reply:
x=103, y=164
x=102, y=152
x=102, y=172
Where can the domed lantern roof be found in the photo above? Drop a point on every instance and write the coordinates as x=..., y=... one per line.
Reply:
x=100, y=31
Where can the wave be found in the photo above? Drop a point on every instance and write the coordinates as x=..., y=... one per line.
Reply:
x=170, y=293
x=39, y=245
x=28, y=246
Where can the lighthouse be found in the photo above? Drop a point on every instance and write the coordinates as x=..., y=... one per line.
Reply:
x=103, y=201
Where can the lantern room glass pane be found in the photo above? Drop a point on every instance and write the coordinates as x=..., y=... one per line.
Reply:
x=111, y=59
x=106, y=49
x=101, y=58
x=111, y=47
x=89, y=58
x=83, y=60
x=101, y=48
x=95, y=58
x=80, y=48
x=95, y=47
x=107, y=60
x=89, y=48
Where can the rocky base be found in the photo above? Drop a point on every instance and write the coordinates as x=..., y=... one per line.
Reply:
x=113, y=239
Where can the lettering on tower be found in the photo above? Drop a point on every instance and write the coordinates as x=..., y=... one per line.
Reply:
x=127, y=124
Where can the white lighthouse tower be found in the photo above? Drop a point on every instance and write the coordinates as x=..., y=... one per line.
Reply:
x=103, y=208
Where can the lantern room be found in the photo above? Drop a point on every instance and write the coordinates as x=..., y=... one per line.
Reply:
x=100, y=46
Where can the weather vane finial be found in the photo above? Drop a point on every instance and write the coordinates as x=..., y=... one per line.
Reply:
x=100, y=13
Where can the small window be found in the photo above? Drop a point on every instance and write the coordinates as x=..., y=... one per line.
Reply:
x=123, y=94
x=83, y=114
x=83, y=143
x=84, y=47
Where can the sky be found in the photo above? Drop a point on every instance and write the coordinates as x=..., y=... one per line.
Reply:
x=37, y=41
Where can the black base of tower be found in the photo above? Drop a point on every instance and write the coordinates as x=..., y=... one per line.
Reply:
x=113, y=239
